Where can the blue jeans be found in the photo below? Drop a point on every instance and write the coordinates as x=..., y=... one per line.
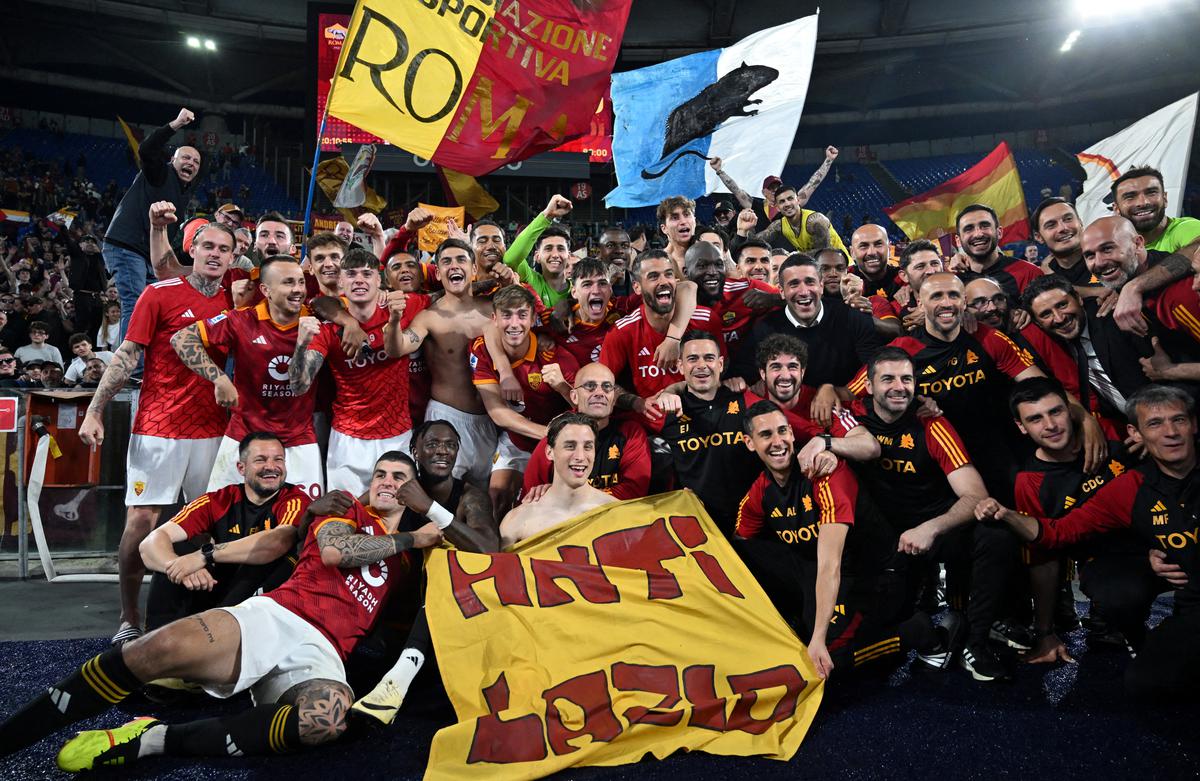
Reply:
x=131, y=273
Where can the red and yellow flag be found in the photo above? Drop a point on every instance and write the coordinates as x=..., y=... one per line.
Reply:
x=606, y=639
x=474, y=85
x=466, y=191
x=994, y=181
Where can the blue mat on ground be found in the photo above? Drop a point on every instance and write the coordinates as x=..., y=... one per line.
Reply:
x=1069, y=721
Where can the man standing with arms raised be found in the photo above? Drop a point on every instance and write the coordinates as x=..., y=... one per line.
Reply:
x=178, y=426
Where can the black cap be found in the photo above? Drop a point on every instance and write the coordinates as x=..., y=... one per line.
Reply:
x=722, y=206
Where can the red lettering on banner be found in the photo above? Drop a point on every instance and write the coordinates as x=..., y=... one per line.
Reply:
x=589, y=693
x=576, y=566
x=506, y=572
x=699, y=686
x=496, y=740
x=691, y=534
x=748, y=685
x=657, y=679
x=644, y=548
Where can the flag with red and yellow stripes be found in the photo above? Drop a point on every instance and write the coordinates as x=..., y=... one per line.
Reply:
x=994, y=181
x=476, y=84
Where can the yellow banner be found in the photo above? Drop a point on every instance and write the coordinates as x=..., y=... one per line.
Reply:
x=438, y=230
x=330, y=175
x=629, y=630
x=404, y=68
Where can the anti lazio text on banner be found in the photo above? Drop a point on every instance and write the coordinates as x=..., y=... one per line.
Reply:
x=632, y=629
x=472, y=85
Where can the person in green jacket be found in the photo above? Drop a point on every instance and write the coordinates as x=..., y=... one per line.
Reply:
x=1140, y=197
x=553, y=245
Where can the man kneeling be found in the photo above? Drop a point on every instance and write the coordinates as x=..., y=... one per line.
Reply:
x=286, y=647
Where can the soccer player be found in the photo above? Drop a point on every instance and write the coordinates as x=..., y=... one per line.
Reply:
x=677, y=221
x=918, y=260
x=978, y=233
x=593, y=312
x=925, y=479
x=1056, y=224
x=324, y=261
x=1158, y=502
x=870, y=249
x=753, y=261
x=845, y=288
x=450, y=325
x=286, y=647
x=622, y=465
x=546, y=374
x=187, y=579
x=796, y=228
x=631, y=350
x=1139, y=196
x=704, y=429
x=736, y=303
x=1113, y=569
x=178, y=425
x=571, y=448
x=370, y=409
x=552, y=244
x=261, y=340
x=825, y=561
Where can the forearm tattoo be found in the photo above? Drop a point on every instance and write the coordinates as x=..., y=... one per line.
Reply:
x=359, y=549
x=190, y=349
x=124, y=361
x=303, y=370
x=814, y=182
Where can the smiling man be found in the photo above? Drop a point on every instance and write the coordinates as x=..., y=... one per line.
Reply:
x=734, y=302
x=1140, y=197
x=978, y=230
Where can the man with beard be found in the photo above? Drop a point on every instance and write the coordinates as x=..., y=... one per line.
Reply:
x=978, y=232
x=127, y=242
x=261, y=340
x=287, y=647
x=622, y=465
x=723, y=215
x=870, y=249
x=1157, y=502
x=841, y=287
x=969, y=373
x=450, y=325
x=178, y=426
x=736, y=303
x=1103, y=371
x=752, y=259
x=796, y=228
x=631, y=349
x=918, y=260
x=1140, y=197
x=839, y=339
x=925, y=479
x=464, y=515
x=677, y=221
x=264, y=501
x=826, y=562
x=370, y=407
x=545, y=373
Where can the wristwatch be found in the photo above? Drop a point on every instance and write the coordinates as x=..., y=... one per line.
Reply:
x=206, y=550
x=828, y=441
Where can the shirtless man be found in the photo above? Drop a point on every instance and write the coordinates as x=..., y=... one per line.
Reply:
x=571, y=448
x=451, y=324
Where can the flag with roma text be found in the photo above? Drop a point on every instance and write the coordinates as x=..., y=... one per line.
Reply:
x=633, y=629
x=473, y=85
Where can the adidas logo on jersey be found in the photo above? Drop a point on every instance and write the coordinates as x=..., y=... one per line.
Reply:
x=929, y=370
x=190, y=314
x=1158, y=507
x=645, y=351
x=776, y=514
x=259, y=340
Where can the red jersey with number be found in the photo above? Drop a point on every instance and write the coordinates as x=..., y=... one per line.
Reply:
x=175, y=402
x=542, y=402
x=629, y=350
x=262, y=352
x=372, y=389
x=343, y=603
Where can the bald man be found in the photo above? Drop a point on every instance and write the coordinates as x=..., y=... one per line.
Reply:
x=175, y=178
x=870, y=250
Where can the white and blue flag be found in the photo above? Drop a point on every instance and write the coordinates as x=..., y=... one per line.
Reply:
x=741, y=103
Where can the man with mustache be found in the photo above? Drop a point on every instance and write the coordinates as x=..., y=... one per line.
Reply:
x=978, y=232
x=847, y=288
x=1140, y=197
x=126, y=247
x=737, y=303
x=261, y=340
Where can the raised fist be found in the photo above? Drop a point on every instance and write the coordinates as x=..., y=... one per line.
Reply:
x=185, y=118
x=162, y=214
x=370, y=224
x=746, y=220
x=831, y=152
x=307, y=329
x=716, y=163
x=396, y=301
x=418, y=218
x=557, y=207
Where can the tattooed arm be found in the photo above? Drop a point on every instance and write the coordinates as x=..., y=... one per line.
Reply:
x=305, y=362
x=474, y=527
x=166, y=265
x=739, y=195
x=124, y=361
x=342, y=546
x=399, y=342
x=1174, y=267
x=771, y=231
x=190, y=348
x=818, y=176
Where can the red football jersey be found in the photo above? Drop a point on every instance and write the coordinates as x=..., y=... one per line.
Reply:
x=262, y=351
x=735, y=317
x=344, y=603
x=542, y=402
x=175, y=402
x=372, y=390
x=629, y=349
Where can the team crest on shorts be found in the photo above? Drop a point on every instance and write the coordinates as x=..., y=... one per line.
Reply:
x=138, y=487
x=535, y=380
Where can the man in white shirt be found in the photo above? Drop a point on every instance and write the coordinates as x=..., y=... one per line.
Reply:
x=81, y=346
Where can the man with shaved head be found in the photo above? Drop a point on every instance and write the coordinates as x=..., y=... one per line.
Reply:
x=175, y=178
x=732, y=301
x=870, y=249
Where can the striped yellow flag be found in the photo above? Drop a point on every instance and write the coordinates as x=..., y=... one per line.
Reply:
x=994, y=181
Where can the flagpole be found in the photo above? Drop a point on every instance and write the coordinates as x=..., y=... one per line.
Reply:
x=312, y=179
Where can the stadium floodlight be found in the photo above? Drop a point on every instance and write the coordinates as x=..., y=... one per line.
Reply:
x=193, y=42
x=1090, y=9
x=210, y=44
x=1070, y=41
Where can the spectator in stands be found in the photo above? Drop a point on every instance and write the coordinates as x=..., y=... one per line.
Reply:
x=345, y=232
x=31, y=375
x=110, y=328
x=1140, y=197
x=52, y=375
x=87, y=277
x=83, y=353
x=38, y=349
x=127, y=242
x=92, y=374
x=8, y=368
x=229, y=215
